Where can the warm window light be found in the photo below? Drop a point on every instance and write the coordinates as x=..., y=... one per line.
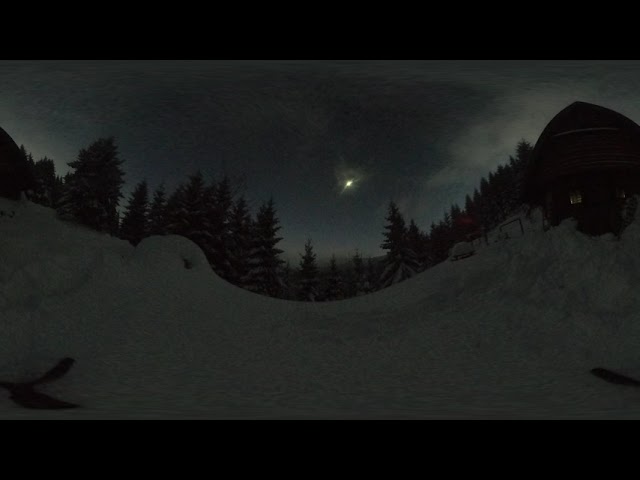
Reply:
x=575, y=197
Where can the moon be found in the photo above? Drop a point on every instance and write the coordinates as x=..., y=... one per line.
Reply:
x=348, y=184
x=348, y=180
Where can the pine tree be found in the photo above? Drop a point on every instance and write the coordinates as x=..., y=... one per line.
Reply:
x=335, y=287
x=460, y=224
x=264, y=261
x=415, y=243
x=57, y=191
x=499, y=197
x=400, y=261
x=288, y=290
x=221, y=241
x=484, y=205
x=239, y=242
x=359, y=283
x=521, y=166
x=523, y=151
x=157, y=212
x=186, y=213
x=468, y=220
x=24, y=154
x=135, y=225
x=372, y=276
x=93, y=190
x=428, y=258
x=44, y=172
x=468, y=206
x=439, y=242
x=308, y=274
x=477, y=200
x=63, y=207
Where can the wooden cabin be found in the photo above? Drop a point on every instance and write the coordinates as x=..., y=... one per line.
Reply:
x=15, y=174
x=585, y=165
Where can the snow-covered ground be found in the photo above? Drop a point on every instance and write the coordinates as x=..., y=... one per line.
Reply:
x=510, y=332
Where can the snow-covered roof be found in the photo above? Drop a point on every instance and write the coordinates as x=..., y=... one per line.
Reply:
x=581, y=130
x=586, y=116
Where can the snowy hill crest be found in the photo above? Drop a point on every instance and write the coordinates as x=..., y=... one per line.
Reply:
x=510, y=332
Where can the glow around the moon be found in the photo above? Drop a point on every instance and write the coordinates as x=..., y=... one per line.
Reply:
x=348, y=178
x=348, y=184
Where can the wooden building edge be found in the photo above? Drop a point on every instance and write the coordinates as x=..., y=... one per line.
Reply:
x=585, y=165
x=15, y=174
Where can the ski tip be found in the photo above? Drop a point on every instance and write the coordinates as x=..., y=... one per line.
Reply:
x=613, y=377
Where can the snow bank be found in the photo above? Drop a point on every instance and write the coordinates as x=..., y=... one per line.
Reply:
x=170, y=254
x=462, y=249
x=511, y=332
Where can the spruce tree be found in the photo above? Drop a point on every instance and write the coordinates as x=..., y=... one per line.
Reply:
x=220, y=213
x=187, y=213
x=308, y=274
x=135, y=225
x=523, y=151
x=400, y=262
x=469, y=208
x=264, y=275
x=44, y=172
x=372, y=276
x=521, y=167
x=434, y=244
x=359, y=282
x=335, y=287
x=415, y=243
x=63, y=207
x=24, y=154
x=57, y=191
x=93, y=190
x=157, y=212
x=239, y=242
x=288, y=290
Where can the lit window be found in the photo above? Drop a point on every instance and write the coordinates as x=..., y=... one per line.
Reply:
x=575, y=197
x=620, y=193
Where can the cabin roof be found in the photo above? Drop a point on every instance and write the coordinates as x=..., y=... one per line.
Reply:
x=583, y=138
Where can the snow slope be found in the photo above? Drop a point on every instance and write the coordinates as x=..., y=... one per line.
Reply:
x=510, y=332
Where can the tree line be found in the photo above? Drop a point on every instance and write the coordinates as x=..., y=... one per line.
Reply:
x=411, y=250
x=242, y=247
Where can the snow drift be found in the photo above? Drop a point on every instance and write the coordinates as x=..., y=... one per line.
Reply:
x=511, y=332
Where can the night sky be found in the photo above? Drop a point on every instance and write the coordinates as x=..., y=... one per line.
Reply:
x=422, y=133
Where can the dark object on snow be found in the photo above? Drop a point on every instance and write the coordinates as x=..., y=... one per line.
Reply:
x=584, y=165
x=16, y=175
x=23, y=393
x=613, y=377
